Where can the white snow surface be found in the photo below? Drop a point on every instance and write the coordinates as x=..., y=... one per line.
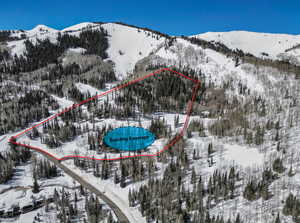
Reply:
x=217, y=67
x=78, y=26
x=85, y=88
x=127, y=46
x=39, y=32
x=77, y=50
x=254, y=43
x=114, y=192
x=243, y=156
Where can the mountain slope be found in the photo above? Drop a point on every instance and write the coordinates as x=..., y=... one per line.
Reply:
x=245, y=118
x=127, y=44
x=273, y=46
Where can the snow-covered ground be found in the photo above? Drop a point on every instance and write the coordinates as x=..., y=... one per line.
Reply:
x=39, y=32
x=85, y=88
x=118, y=195
x=217, y=68
x=129, y=45
x=254, y=43
x=80, y=145
x=21, y=187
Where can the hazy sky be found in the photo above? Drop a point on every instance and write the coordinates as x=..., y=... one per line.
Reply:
x=173, y=17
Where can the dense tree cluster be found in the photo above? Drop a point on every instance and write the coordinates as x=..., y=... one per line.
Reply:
x=164, y=92
x=4, y=55
x=196, y=126
x=6, y=168
x=55, y=80
x=170, y=200
x=37, y=55
x=9, y=160
x=55, y=133
x=94, y=209
x=292, y=207
x=94, y=41
x=34, y=105
x=44, y=169
x=5, y=35
x=68, y=207
x=159, y=128
x=44, y=52
x=59, y=72
x=257, y=189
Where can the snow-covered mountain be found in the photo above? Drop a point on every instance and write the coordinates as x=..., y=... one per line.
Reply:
x=241, y=98
x=274, y=46
x=127, y=45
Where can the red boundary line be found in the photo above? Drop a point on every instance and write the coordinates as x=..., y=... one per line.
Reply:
x=172, y=142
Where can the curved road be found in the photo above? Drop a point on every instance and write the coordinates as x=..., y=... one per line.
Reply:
x=121, y=216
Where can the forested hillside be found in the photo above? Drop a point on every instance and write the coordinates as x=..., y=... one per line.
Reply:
x=236, y=157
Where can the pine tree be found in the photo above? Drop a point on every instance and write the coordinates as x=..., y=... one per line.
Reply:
x=278, y=165
x=210, y=149
x=265, y=194
x=116, y=177
x=82, y=192
x=291, y=173
x=194, y=154
x=193, y=176
x=277, y=218
x=36, y=187
x=130, y=198
x=123, y=181
x=238, y=218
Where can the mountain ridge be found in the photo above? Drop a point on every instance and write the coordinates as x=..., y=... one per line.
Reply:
x=264, y=45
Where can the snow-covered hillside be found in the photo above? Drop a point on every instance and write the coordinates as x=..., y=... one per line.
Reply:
x=217, y=68
x=246, y=118
x=39, y=32
x=127, y=45
x=258, y=44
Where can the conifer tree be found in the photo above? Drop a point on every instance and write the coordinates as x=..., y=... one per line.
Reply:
x=36, y=187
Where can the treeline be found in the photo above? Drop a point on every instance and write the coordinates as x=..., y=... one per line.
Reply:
x=159, y=128
x=146, y=29
x=69, y=207
x=256, y=189
x=58, y=74
x=5, y=35
x=34, y=105
x=44, y=169
x=10, y=159
x=54, y=133
x=281, y=65
x=4, y=55
x=171, y=200
x=163, y=92
x=131, y=170
x=94, y=41
x=44, y=52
